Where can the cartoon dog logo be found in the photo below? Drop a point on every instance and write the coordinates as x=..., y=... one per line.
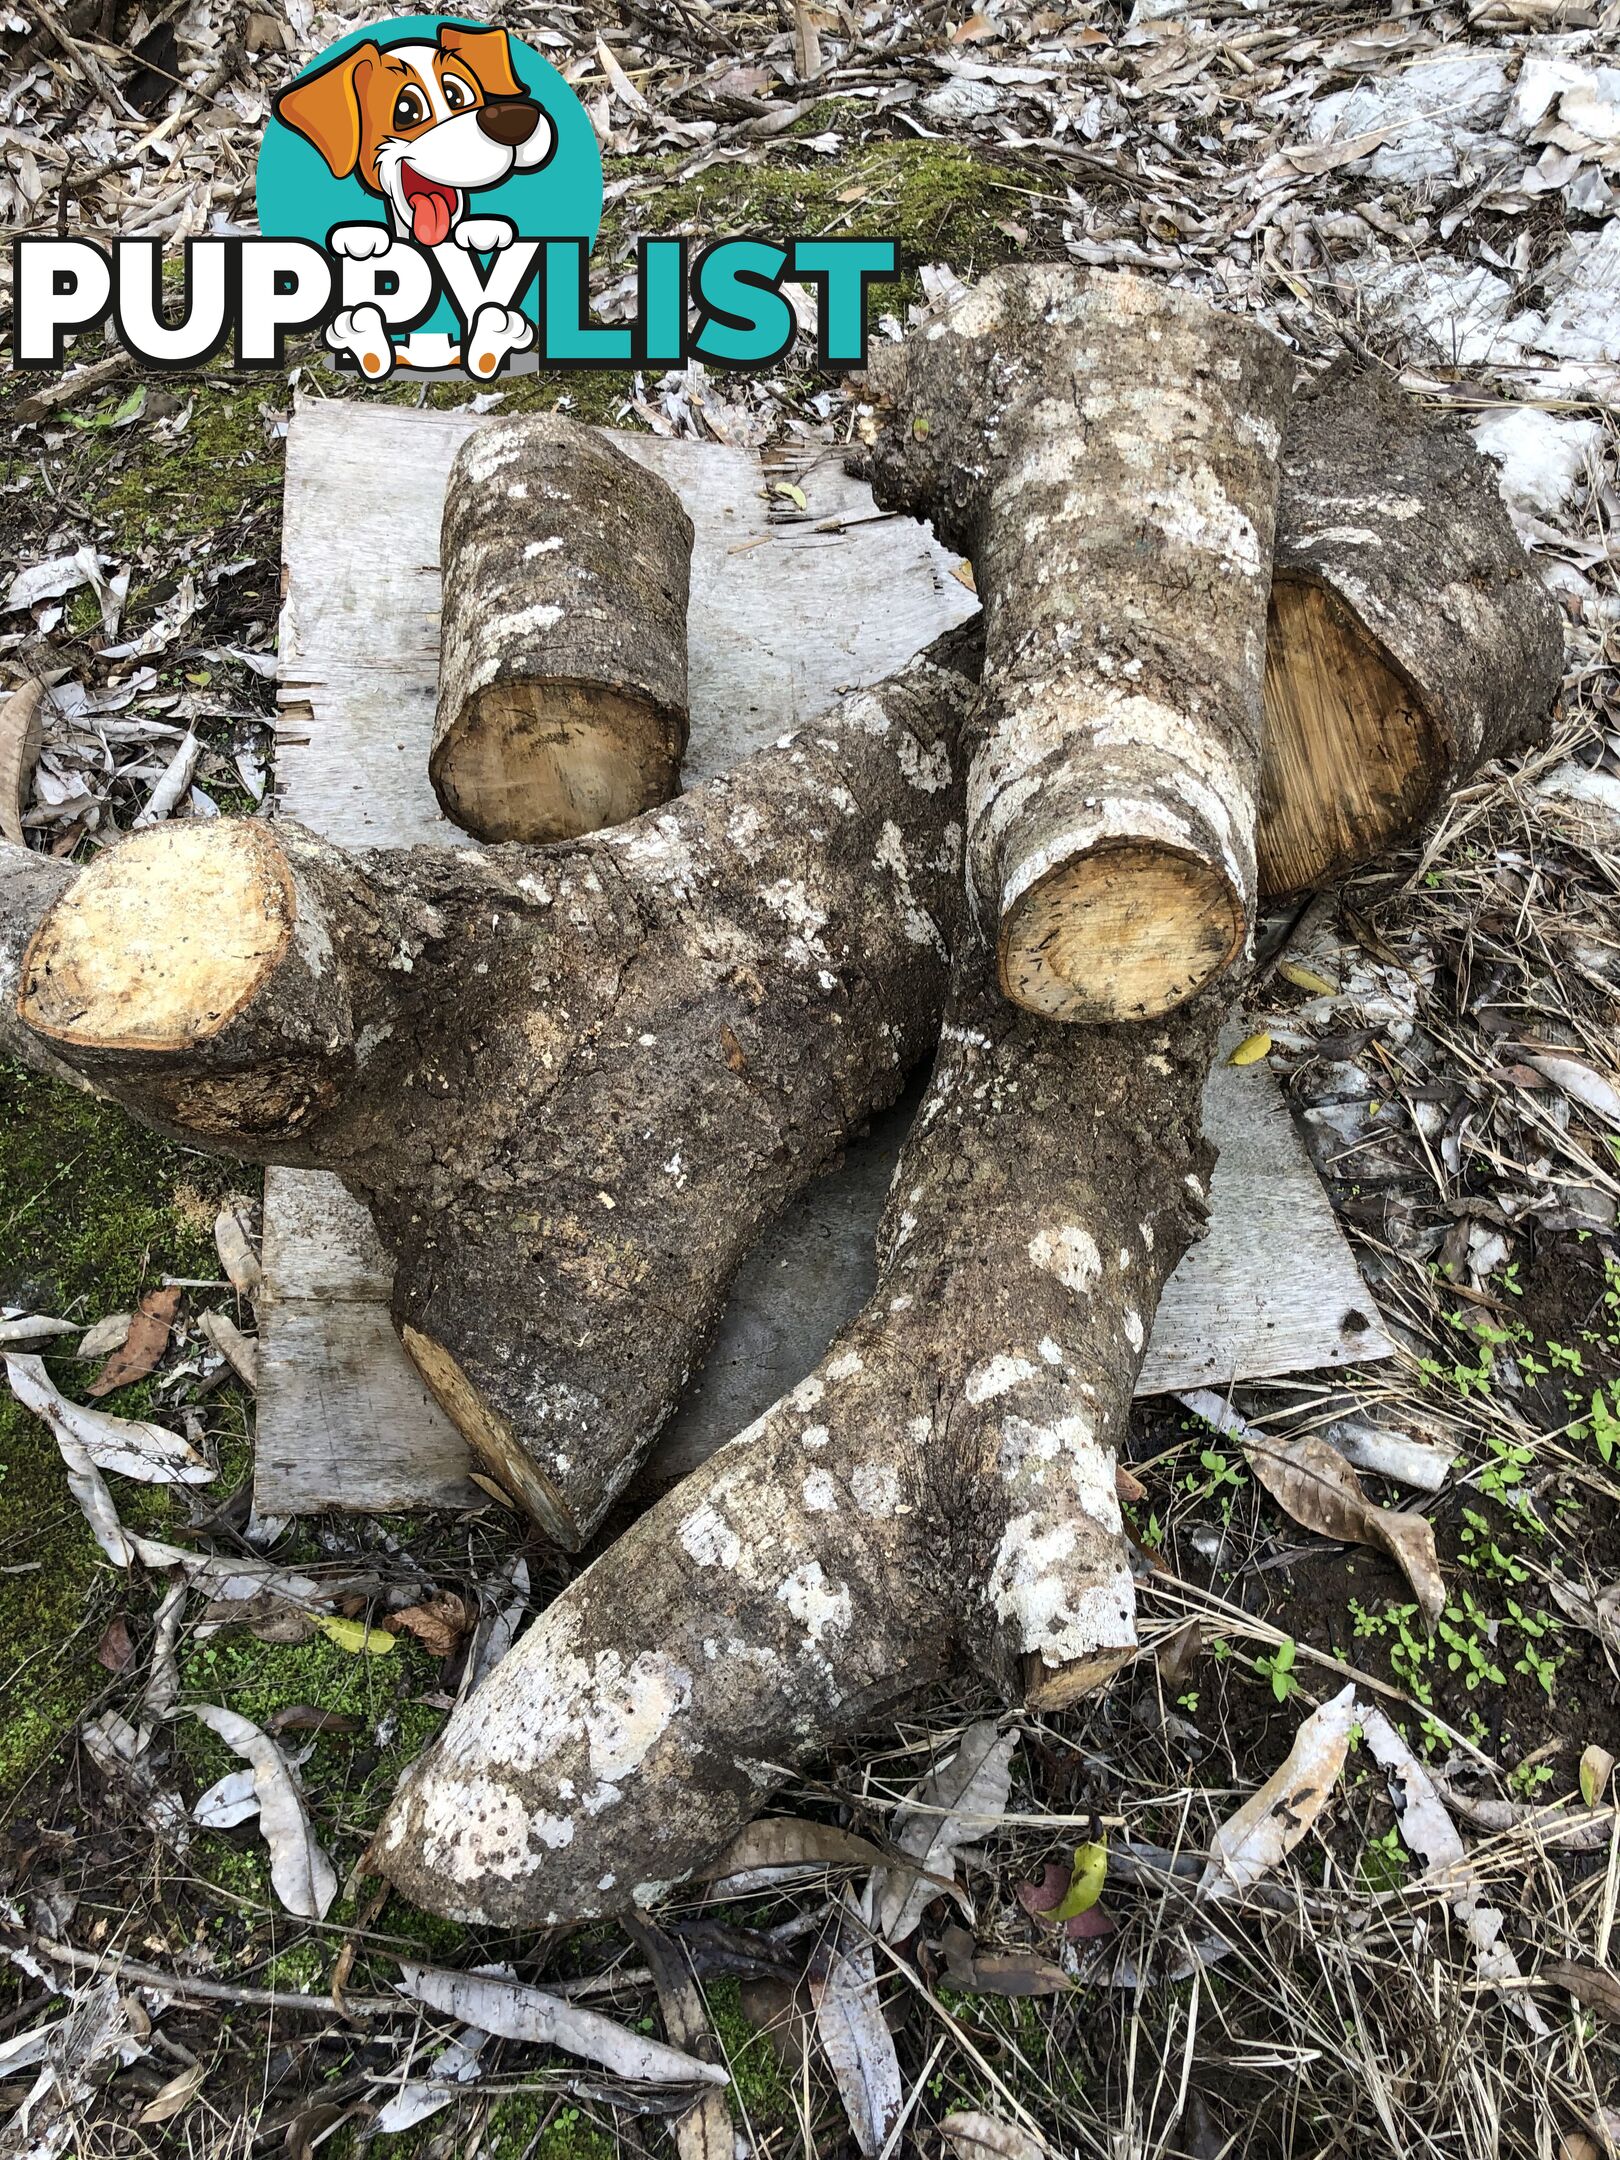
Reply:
x=423, y=126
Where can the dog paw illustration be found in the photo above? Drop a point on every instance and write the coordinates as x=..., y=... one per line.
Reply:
x=362, y=333
x=495, y=332
x=359, y=241
x=484, y=233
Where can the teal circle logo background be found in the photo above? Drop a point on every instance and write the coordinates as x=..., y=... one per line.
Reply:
x=300, y=198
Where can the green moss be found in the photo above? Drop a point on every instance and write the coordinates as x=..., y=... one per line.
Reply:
x=761, y=2093
x=160, y=490
x=92, y=1209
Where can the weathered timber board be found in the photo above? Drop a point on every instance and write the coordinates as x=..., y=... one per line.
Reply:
x=781, y=618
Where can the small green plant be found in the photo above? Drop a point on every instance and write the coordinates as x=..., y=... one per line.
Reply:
x=1464, y=1629
x=1278, y=1668
x=1384, y=1862
x=1529, y=1777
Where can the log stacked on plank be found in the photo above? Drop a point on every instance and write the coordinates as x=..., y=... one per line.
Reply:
x=1232, y=646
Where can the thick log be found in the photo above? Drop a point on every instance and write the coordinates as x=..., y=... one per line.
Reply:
x=1105, y=449
x=562, y=672
x=939, y=1492
x=1410, y=640
x=571, y=1083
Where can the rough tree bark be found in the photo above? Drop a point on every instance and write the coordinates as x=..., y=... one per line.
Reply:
x=562, y=673
x=1410, y=638
x=1105, y=449
x=573, y=1083
x=939, y=1491
x=28, y=885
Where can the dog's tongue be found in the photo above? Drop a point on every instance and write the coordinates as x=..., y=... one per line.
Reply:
x=430, y=218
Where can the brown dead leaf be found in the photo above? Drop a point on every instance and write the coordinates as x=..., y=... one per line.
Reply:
x=971, y=31
x=973, y=2136
x=775, y=1842
x=142, y=1346
x=304, y=1717
x=440, y=1625
x=1011, y=1973
x=1592, y=1987
x=233, y=1240
x=1313, y=1483
x=20, y=736
x=116, y=1650
x=733, y=1049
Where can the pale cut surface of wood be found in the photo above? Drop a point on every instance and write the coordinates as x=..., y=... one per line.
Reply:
x=1349, y=755
x=779, y=620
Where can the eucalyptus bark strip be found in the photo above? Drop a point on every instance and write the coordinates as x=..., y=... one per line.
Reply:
x=939, y=1492
x=1105, y=449
x=29, y=883
x=1410, y=641
x=571, y=1083
x=562, y=671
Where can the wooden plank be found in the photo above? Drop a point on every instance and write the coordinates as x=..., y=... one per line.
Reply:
x=780, y=619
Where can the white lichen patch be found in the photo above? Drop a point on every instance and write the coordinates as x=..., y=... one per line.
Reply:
x=820, y=1609
x=875, y=1489
x=1134, y=1334
x=807, y=1394
x=1051, y=1353
x=1055, y=1600
x=1069, y=1253
x=820, y=1492
x=845, y=1365
x=629, y=1712
x=815, y=1436
x=789, y=899
x=706, y=1537
x=996, y=1376
x=927, y=767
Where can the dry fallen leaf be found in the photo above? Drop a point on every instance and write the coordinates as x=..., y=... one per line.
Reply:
x=952, y=1806
x=239, y=1351
x=1597, y=1767
x=1583, y=1083
x=1313, y=1483
x=233, y=1240
x=704, y=2131
x=174, y=2098
x=1011, y=1973
x=1592, y=1987
x=145, y=1340
x=440, y=1625
x=130, y=1446
x=854, y=2036
x=1272, y=1821
x=495, y=2004
x=20, y=735
x=758, y=1854
x=300, y=1873
x=1251, y=1050
x=973, y=2136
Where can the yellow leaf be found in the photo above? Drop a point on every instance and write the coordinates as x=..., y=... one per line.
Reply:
x=1596, y=1766
x=354, y=1636
x=1304, y=978
x=963, y=574
x=794, y=494
x=1085, y=1884
x=1250, y=1050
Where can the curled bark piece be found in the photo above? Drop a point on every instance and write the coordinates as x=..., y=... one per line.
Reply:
x=562, y=670
x=939, y=1491
x=572, y=1084
x=1105, y=449
x=1410, y=638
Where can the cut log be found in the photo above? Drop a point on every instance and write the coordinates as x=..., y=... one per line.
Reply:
x=562, y=672
x=1105, y=449
x=938, y=1493
x=1410, y=638
x=571, y=1084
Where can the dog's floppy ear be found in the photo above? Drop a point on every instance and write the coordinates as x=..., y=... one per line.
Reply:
x=488, y=54
x=325, y=108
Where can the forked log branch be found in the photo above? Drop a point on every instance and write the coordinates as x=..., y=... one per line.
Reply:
x=938, y=1493
x=572, y=1084
x=1105, y=449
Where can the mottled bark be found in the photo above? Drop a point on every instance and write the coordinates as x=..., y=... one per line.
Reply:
x=939, y=1491
x=1105, y=449
x=28, y=885
x=1410, y=638
x=562, y=671
x=572, y=1083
